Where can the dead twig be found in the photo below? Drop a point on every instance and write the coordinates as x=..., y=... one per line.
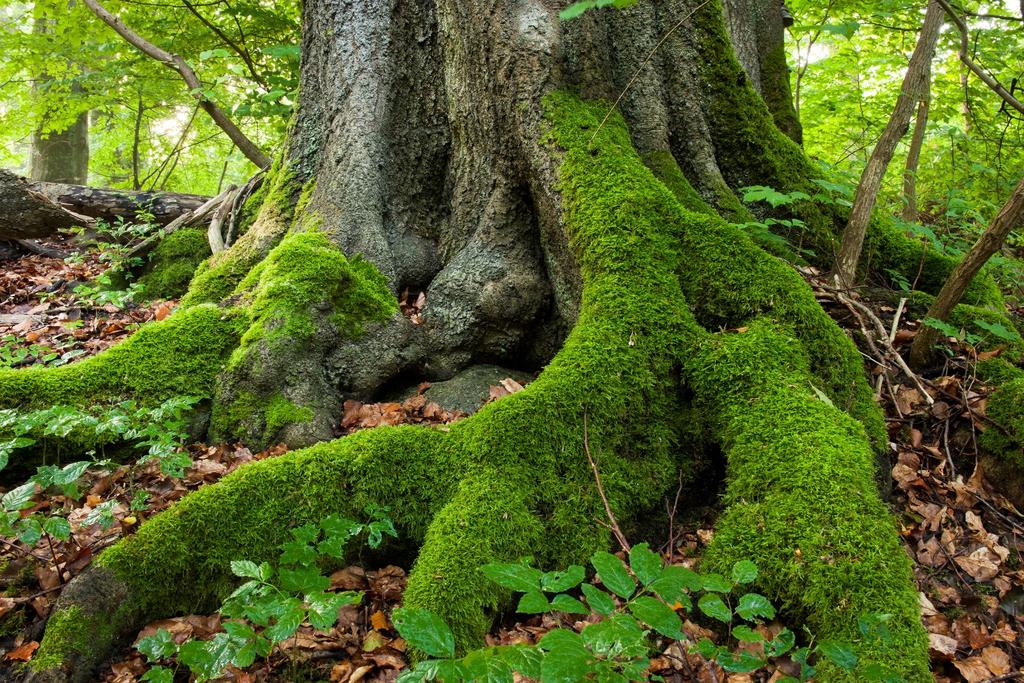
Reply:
x=612, y=523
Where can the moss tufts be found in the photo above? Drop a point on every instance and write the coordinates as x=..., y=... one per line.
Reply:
x=173, y=263
x=303, y=272
x=1006, y=408
x=801, y=500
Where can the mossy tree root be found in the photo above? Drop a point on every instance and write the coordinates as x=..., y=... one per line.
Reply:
x=801, y=501
x=513, y=479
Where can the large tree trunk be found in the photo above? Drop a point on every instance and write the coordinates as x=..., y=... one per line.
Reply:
x=436, y=148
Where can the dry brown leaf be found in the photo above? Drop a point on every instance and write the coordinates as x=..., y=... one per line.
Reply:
x=982, y=564
x=379, y=620
x=23, y=653
x=997, y=661
x=973, y=669
x=942, y=646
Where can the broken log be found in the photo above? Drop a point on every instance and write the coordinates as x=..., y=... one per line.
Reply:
x=30, y=210
x=112, y=204
x=27, y=214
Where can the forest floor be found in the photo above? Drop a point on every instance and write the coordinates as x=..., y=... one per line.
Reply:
x=966, y=539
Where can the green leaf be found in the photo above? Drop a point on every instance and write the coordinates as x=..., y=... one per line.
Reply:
x=303, y=580
x=752, y=605
x=526, y=659
x=157, y=646
x=250, y=570
x=569, y=605
x=716, y=583
x=743, y=662
x=745, y=634
x=613, y=574
x=674, y=582
x=70, y=473
x=576, y=9
x=158, y=674
x=425, y=631
x=287, y=621
x=517, y=577
x=657, y=615
x=997, y=330
x=744, y=571
x=19, y=498
x=297, y=552
x=29, y=531
x=557, y=582
x=782, y=644
x=58, y=527
x=712, y=605
x=566, y=660
x=484, y=666
x=645, y=564
x=943, y=327
x=323, y=607
x=599, y=601
x=841, y=654
x=532, y=602
x=708, y=650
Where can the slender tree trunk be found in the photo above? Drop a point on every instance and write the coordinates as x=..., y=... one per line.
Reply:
x=914, y=154
x=848, y=255
x=1010, y=216
x=60, y=155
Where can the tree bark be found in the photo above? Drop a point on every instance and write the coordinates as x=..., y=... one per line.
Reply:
x=58, y=156
x=914, y=81
x=1010, y=216
x=456, y=147
x=914, y=153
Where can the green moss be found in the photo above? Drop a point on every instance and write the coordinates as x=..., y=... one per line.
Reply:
x=1006, y=408
x=173, y=263
x=303, y=272
x=273, y=414
x=723, y=294
x=219, y=275
x=801, y=500
x=280, y=412
x=179, y=356
x=886, y=247
x=70, y=634
x=665, y=169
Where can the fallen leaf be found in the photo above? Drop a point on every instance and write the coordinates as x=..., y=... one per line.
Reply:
x=973, y=669
x=942, y=646
x=997, y=661
x=379, y=620
x=23, y=653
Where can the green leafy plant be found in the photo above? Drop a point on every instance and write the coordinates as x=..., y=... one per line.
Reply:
x=636, y=604
x=273, y=602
